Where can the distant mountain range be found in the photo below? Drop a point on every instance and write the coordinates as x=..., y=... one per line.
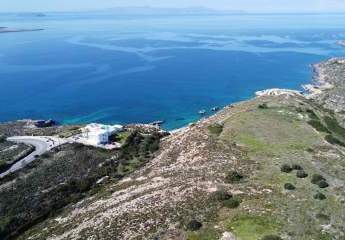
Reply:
x=167, y=11
x=133, y=11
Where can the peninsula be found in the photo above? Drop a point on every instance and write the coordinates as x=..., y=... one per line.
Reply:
x=268, y=168
x=13, y=30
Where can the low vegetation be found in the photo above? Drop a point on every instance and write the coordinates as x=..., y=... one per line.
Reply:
x=11, y=153
x=318, y=126
x=2, y=138
x=194, y=225
x=316, y=178
x=271, y=237
x=301, y=174
x=251, y=227
x=286, y=168
x=322, y=184
x=297, y=167
x=221, y=195
x=289, y=186
x=333, y=125
x=232, y=203
x=234, y=177
x=215, y=129
x=320, y=196
x=263, y=106
x=334, y=141
x=65, y=176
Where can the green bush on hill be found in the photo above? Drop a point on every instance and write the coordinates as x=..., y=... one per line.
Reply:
x=312, y=114
x=289, y=186
x=316, y=178
x=215, y=129
x=318, y=126
x=301, y=174
x=263, y=106
x=233, y=177
x=322, y=184
x=297, y=167
x=221, y=195
x=286, y=168
x=271, y=237
x=194, y=225
x=334, y=141
x=232, y=203
x=320, y=196
x=334, y=127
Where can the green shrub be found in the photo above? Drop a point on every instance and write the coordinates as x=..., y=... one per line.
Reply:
x=333, y=140
x=317, y=125
x=322, y=184
x=289, y=186
x=2, y=138
x=322, y=217
x=233, y=177
x=312, y=114
x=316, y=178
x=286, y=168
x=232, y=203
x=45, y=155
x=221, y=195
x=271, y=237
x=310, y=150
x=301, y=174
x=215, y=129
x=297, y=167
x=263, y=106
x=333, y=125
x=299, y=110
x=194, y=225
x=319, y=196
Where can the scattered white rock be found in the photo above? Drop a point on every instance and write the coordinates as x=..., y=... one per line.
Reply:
x=102, y=180
x=228, y=236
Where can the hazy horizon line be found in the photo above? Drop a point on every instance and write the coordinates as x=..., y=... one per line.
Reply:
x=211, y=11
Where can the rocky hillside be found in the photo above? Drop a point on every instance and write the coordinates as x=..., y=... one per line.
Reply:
x=269, y=168
x=330, y=78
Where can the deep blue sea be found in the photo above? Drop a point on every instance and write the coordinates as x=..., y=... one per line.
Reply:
x=142, y=69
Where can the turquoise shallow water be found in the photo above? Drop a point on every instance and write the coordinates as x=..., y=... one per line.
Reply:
x=124, y=70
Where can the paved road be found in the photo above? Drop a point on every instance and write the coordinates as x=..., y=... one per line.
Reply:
x=41, y=144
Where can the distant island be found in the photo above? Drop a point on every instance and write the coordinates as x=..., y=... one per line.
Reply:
x=154, y=11
x=12, y=30
x=31, y=14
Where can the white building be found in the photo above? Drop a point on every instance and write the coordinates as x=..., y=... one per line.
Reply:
x=97, y=134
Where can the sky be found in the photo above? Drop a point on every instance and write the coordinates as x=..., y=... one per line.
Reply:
x=245, y=5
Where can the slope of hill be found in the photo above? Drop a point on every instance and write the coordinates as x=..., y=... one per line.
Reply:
x=269, y=168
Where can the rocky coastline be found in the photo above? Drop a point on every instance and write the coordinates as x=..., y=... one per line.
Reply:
x=328, y=85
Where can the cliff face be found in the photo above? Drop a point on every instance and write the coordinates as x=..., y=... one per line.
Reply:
x=259, y=168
